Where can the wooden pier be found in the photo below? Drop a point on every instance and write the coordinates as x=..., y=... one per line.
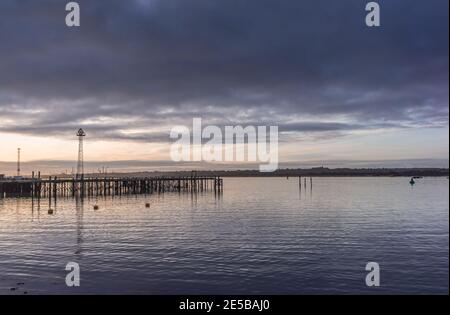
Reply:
x=66, y=187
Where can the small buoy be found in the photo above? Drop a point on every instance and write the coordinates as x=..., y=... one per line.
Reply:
x=50, y=211
x=95, y=207
x=147, y=205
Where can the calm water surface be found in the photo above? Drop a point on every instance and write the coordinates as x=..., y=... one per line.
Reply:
x=262, y=236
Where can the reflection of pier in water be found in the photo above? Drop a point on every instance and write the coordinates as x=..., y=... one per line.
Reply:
x=53, y=186
x=79, y=210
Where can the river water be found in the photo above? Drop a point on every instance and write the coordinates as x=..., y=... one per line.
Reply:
x=262, y=236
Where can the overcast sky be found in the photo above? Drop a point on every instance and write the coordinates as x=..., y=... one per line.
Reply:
x=336, y=88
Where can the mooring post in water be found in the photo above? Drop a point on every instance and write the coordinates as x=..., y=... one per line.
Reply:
x=39, y=184
x=55, y=187
x=32, y=185
x=49, y=189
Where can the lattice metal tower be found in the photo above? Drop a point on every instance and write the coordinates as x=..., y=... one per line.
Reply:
x=80, y=166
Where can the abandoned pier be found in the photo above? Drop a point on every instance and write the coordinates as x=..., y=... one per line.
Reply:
x=66, y=187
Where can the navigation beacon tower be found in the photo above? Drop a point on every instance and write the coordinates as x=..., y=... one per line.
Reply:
x=80, y=166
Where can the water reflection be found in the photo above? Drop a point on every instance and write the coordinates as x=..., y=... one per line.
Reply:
x=38, y=208
x=79, y=211
x=251, y=240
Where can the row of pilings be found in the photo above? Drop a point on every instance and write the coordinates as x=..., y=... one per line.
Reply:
x=54, y=186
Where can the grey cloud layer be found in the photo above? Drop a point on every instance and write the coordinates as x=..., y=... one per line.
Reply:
x=145, y=63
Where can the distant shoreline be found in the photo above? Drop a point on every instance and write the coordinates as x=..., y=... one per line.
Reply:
x=312, y=172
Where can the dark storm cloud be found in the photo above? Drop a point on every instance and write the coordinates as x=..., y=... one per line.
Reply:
x=155, y=63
